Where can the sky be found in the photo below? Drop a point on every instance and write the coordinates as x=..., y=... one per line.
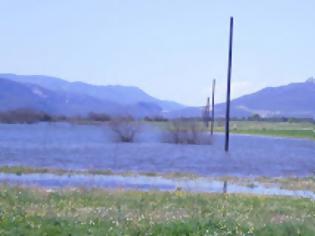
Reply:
x=170, y=49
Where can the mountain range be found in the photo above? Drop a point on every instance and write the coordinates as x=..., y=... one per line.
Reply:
x=57, y=96
x=292, y=100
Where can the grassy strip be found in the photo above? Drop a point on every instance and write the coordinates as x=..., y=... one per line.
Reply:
x=19, y=170
x=281, y=129
x=280, y=133
x=290, y=183
x=80, y=212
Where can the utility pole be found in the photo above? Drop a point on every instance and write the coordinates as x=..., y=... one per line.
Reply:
x=206, y=114
x=212, y=107
x=227, y=115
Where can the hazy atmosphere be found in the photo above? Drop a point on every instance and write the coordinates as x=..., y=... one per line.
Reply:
x=157, y=117
x=162, y=47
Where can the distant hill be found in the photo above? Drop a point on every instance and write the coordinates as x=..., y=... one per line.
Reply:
x=15, y=95
x=292, y=100
x=57, y=96
x=122, y=95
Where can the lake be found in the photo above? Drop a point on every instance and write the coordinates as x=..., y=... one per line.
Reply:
x=81, y=147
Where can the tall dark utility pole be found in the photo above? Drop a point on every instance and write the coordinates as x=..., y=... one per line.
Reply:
x=207, y=112
x=212, y=106
x=227, y=115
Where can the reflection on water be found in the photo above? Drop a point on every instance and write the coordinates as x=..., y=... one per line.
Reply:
x=225, y=186
x=144, y=183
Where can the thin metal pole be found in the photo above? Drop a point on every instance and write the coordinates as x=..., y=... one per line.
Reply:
x=227, y=115
x=212, y=107
x=207, y=112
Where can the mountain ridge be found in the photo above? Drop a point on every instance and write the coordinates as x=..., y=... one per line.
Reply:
x=123, y=95
x=293, y=100
x=56, y=95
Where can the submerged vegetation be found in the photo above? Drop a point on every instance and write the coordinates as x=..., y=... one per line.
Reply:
x=125, y=129
x=33, y=211
x=186, y=132
x=98, y=212
x=190, y=129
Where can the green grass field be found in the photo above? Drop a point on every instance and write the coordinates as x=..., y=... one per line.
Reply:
x=97, y=212
x=280, y=129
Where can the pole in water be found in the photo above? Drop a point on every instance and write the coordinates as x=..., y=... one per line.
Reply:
x=206, y=112
x=212, y=106
x=227, y=115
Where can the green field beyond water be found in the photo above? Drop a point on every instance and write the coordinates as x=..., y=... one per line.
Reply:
x=269, y=128
x=272, y=128
x=97, y=212
x=284, y=129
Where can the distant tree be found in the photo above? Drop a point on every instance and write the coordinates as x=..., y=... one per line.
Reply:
x=255, y=117
x=155, y=118
x=24, y=115
x=98, y=117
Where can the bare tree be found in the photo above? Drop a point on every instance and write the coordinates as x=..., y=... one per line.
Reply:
x=187, y=132
x=124, y=128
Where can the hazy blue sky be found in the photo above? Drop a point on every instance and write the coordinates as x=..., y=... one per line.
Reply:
x=170, y=48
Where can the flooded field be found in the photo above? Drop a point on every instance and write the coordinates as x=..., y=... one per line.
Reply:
x=80, y=147
x=147, y=183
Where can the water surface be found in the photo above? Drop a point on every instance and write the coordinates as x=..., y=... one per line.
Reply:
x=78, y=147
x=145, y=183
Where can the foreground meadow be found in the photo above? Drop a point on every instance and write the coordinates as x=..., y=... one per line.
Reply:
x=118, y=212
